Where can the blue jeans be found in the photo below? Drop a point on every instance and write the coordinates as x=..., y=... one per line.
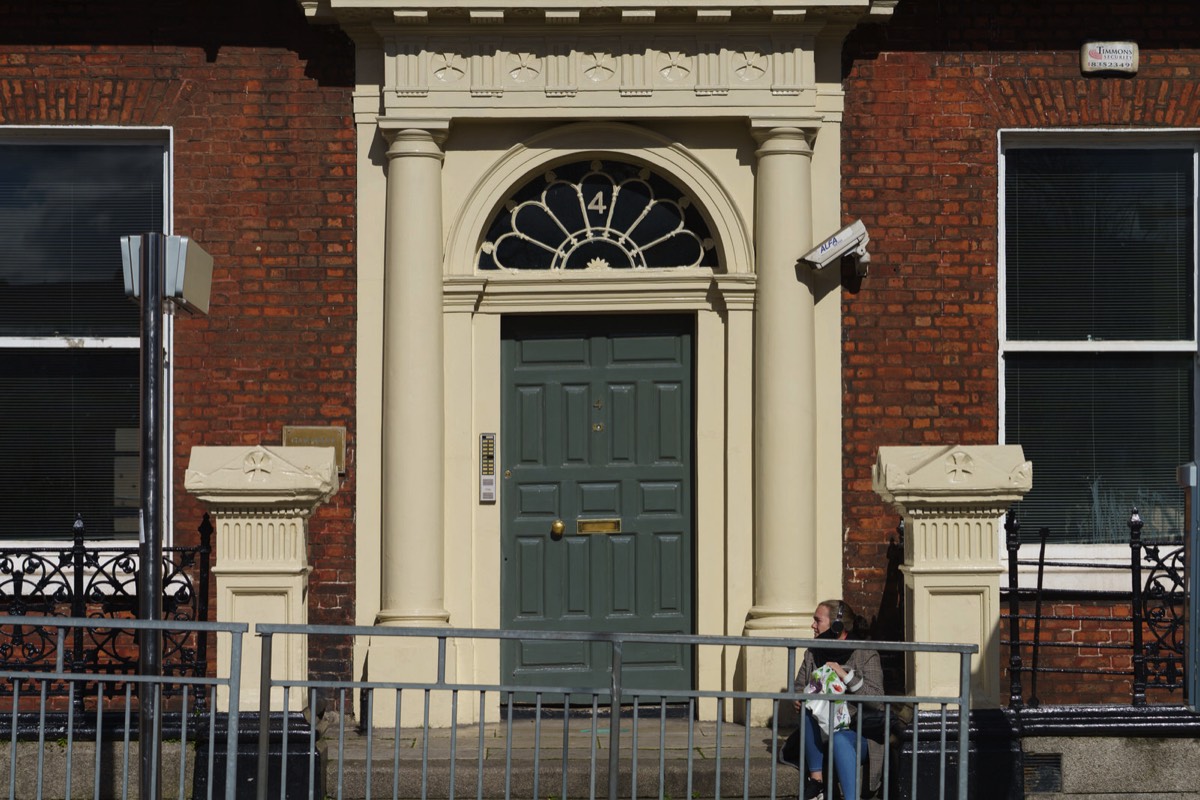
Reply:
x=845, y=746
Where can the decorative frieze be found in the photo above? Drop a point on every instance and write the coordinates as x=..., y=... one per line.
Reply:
x=599, y=65
x=788, y=71
x=447, y=67
x=635, y=78
x=561, y=80
x=524, y=70
x=712, y=70
x=485, y=77
x=410, y=70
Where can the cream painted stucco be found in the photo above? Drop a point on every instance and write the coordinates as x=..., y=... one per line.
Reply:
x=952, y=499
x=261, y=498
x=658, y=84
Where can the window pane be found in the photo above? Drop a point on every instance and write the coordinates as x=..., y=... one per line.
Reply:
x=70, y=421
x=63, y=209
x=1105, y=433
x=1099, y=244
x=597, y=215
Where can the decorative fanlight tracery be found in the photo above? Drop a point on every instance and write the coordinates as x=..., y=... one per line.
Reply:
x=597, y=215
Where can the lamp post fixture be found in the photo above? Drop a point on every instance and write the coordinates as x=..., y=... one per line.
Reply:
x=162, y=272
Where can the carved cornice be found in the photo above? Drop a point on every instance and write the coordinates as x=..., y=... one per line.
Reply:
x=617, y=290
x=952, y=476
x=572, y=12
x=262, y=478
x=568, y=60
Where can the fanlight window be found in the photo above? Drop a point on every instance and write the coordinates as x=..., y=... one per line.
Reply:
x=597, y=215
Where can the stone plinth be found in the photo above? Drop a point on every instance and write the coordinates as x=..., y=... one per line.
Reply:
x=952, y=499
x=261, y=498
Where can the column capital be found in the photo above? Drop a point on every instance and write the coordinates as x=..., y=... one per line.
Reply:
x=402, y=129
x=782, y=136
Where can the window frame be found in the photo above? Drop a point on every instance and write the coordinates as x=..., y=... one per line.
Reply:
x=106, y=134
x=1009, y=139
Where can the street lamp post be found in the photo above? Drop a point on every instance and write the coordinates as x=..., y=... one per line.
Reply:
x=157, y=269
x=150, y=529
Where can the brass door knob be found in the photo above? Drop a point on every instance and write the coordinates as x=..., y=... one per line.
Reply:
x=557, y=527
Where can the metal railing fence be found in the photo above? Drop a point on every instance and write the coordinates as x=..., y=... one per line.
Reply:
x=100, y=715
x=509, y=757
x=45, y=583
x=536, y=742
x=1134, y=639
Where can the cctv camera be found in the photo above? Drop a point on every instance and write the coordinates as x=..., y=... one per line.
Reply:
x=850, y=241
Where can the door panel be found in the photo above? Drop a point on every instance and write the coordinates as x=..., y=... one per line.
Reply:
x=597, y=426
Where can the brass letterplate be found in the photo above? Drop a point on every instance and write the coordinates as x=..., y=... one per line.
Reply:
x=598, y=525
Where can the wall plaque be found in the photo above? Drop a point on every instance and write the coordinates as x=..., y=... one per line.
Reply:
x=318, y=436
x=1109, y=57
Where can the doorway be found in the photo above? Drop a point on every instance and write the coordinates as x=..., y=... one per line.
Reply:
x=597, y=508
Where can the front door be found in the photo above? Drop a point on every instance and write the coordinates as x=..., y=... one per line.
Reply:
x=596, y=497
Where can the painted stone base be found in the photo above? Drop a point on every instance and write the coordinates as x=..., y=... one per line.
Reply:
x=413, y=660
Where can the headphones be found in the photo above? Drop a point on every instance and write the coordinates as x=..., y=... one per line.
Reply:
x=837, y=627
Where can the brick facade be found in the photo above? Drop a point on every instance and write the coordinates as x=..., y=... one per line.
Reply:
x=926, y=94
x=258, y=103
x=1079, y=641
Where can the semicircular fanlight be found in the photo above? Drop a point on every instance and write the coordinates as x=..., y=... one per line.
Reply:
x=597, y=215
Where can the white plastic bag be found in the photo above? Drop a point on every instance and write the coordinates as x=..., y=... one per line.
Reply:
x=824, y=681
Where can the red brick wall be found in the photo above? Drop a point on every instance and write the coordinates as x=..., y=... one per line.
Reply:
x=926, y=94
x=259, y=104
x=1094, y=636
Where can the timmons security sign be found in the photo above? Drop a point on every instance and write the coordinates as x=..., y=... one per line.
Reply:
x=1109, y=57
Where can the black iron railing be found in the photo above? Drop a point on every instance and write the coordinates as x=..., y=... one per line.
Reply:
x=85, y=580
x=1156, y=601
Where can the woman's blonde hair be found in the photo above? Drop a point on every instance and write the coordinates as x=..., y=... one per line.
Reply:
x=841, y=610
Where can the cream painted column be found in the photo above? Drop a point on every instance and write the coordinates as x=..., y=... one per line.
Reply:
x=262, y=498
x=785, y=403
x=952, y=499
x=413, y=536
x=785, y=561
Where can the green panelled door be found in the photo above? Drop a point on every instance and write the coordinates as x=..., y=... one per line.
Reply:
x=597, y=434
